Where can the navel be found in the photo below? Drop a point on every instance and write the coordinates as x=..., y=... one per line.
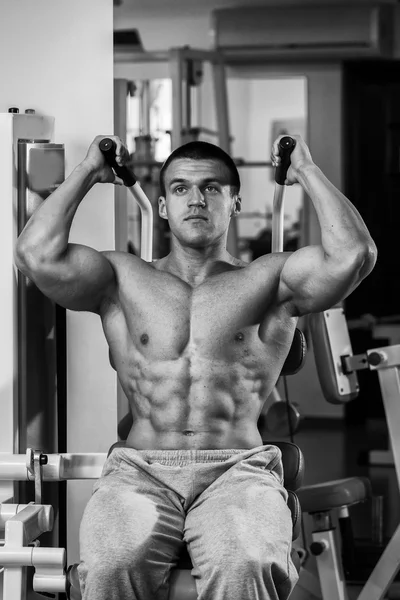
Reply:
x=239, y=337
x=144, y=338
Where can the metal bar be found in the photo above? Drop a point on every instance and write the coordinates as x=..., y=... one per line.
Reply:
x=331, y=577
x=355, y=362
x=60, y=467
x=199, y=55
x=140, y=57
x=14, y=583
x=277, y=219
x=144, y=109
x=8, y=511
x=17, y=532
x=384, y=572
x=186, y=98
x=120, y=194
x=28, y=556
x=161, y=56
x=221, y=104
x=146, y=209
x=176, y=74
x=121, y=215
x=390, y=387
x=32, y=521
x=224, y=140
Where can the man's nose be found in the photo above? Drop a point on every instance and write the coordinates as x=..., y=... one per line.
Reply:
x=196, y=198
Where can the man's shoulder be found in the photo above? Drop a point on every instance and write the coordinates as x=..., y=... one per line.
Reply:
x=124, y=260
x=267, y=263
x=274, y=260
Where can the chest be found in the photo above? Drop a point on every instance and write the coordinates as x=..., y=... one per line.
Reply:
x=167, y=319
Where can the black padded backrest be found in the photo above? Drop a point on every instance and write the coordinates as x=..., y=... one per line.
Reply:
x=293, y=464
x=293, y=475
x=297, y=354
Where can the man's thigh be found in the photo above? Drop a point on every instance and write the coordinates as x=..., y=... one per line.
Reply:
x=131, y=518
x=242, y=517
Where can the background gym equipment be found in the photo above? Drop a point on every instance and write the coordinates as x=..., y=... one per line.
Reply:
x=32, y=341
x=337, y=367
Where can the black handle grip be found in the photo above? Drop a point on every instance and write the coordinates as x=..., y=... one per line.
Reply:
x=286, y=147
x=108, y=147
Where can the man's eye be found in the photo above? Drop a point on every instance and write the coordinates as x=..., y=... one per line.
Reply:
x=180, y=189
x=211, y=188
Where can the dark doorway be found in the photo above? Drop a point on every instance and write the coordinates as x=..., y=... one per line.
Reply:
x=371, y=94
x=371, y=134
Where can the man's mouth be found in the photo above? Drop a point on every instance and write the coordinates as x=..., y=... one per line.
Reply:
x=196, y=217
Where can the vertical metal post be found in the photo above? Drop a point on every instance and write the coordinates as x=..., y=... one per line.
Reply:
x=330, y=571
x=121, y=207
x=144, y=109
x=120, y=192
x=221, y=103
x=222, y=112
x=176, y=73
x=389, y=381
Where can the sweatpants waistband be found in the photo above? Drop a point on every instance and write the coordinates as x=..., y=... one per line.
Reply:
x=188, y=457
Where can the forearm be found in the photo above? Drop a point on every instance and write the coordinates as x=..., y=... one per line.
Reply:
x=343, y=231
x=45, y=236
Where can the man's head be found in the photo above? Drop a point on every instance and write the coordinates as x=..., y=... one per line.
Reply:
x=203, y=151
x=199, y=193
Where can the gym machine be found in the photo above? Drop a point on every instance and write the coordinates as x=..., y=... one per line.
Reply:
x=337, y=370
x=32, y=327
x=23, y=524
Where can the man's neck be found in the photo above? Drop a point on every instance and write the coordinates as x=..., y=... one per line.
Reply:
x=196, y=265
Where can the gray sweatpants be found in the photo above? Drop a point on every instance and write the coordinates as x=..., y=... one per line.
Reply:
x=228, y=506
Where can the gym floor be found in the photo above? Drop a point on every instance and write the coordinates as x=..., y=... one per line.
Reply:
x=334, y=450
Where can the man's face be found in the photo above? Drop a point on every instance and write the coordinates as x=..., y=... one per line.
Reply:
x=198, y=202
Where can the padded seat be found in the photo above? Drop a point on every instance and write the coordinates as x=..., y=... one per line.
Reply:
x=323, y=497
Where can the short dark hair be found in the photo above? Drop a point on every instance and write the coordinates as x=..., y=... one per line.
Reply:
x=199, y=151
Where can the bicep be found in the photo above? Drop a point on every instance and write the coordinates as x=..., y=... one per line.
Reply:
x=309, y=282
x=79, y=280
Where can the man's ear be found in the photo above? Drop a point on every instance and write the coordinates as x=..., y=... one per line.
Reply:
x=162, y=207
x=237, y=207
